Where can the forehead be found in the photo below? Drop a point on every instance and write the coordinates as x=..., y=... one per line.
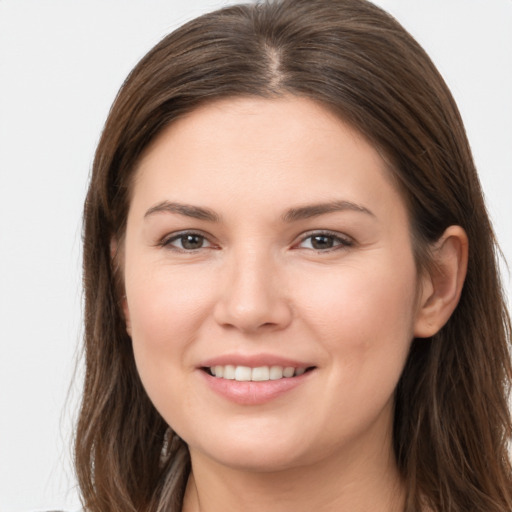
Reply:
x=281, y=150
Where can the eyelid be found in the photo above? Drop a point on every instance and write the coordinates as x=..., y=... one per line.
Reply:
x=166, y=240
x=344, y=240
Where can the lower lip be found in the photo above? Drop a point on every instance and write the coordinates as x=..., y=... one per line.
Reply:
x=253, y=392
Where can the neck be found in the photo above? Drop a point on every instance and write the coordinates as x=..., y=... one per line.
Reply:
x=355, y=481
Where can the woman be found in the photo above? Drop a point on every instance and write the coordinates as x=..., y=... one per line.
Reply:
x=292, y=297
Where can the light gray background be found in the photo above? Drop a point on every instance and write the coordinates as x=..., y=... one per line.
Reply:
x=61, y=64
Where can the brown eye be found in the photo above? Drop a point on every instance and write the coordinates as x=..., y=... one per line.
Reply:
x=187, y=242
x=324, y=242
x=191, y=242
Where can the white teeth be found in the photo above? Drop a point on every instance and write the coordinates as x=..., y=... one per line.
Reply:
x=276, y=372
x=258, y=374
x=288, y=371
x=229, y=372
x=261, y=373
x=243, y=373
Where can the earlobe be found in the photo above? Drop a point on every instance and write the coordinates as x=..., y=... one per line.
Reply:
x=116, y=265
x=442, y=285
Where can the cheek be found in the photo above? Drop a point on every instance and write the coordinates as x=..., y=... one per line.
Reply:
x=165, y=305
x=166, y=309
x=364, y=318
x=375, y=298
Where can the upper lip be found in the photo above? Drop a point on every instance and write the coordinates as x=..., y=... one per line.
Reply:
x=253, y=361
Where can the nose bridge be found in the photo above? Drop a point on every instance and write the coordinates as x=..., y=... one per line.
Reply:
x=252, y=297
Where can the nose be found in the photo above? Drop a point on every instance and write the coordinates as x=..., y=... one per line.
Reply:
x=253, y=298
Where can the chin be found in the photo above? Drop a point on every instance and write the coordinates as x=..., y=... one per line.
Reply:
x=256, y=459
x=255, y=450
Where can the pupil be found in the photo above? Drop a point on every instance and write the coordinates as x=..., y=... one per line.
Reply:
x=322, y=242
x=192, y=241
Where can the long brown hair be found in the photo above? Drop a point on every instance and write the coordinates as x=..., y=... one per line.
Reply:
x=451, y=425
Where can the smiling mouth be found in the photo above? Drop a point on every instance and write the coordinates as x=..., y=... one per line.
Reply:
x=258, y=374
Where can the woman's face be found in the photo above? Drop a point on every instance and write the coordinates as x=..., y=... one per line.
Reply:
x=265, y=239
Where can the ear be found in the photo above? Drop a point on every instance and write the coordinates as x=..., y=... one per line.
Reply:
x=442, y=284
x=116, y=256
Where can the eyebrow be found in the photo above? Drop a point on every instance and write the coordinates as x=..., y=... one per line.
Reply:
x=187, y=210
x=313, y=210
x=291, y=215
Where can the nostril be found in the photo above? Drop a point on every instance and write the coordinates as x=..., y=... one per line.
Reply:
x=268, y=324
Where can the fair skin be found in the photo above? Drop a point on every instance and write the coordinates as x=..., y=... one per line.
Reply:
x=268, y=234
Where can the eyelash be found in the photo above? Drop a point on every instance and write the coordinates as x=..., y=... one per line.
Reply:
x=342, y=242
x=167, y=242
x=339, y=242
